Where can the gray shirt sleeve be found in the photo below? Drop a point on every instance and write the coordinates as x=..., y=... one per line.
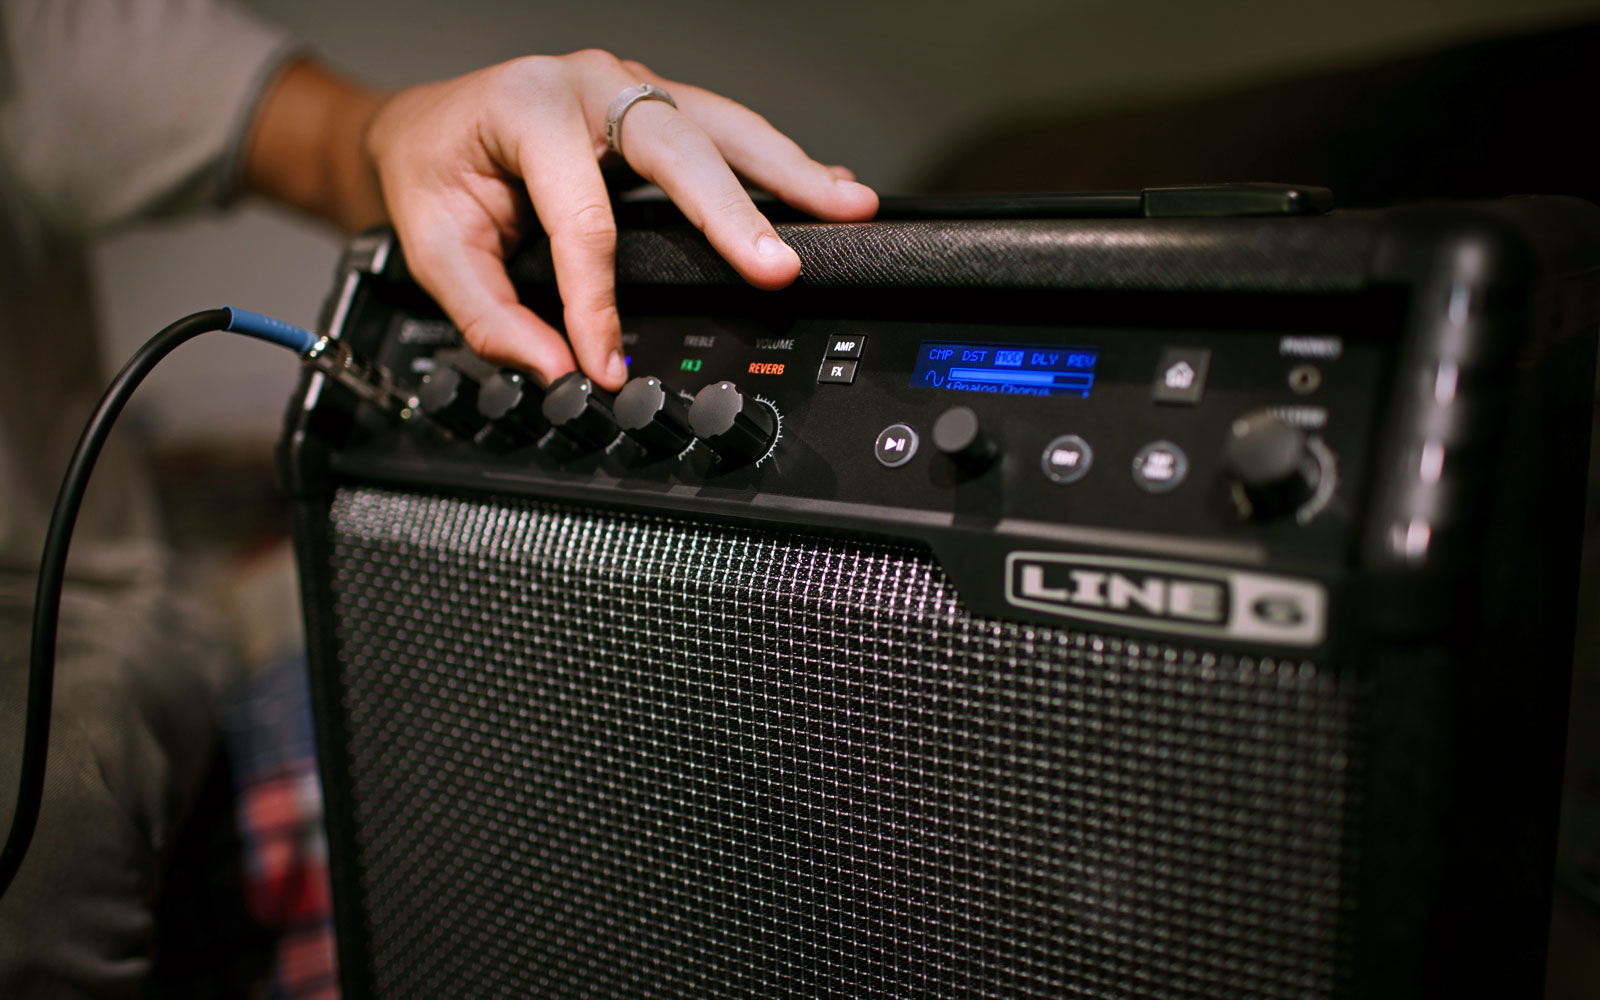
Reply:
x=116, y=109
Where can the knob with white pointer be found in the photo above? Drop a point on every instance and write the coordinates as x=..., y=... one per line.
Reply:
x=1270, y=465
x=450, y=398
x=579, y=411
x=654, y=416
x=739, y=428
x=512, y=404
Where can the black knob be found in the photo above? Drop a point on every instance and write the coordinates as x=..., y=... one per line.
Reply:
x=451, y=399
x=958, y=434
x=654, y=416
x=738, y=428
x=511, y=403
x=1272, y=469
x=580, y=412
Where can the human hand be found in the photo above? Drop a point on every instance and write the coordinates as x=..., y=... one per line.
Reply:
x=462, y=161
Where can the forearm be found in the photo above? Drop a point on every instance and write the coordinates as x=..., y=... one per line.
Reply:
x=306, y=147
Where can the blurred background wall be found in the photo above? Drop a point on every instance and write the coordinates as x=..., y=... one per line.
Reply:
x=886, y=88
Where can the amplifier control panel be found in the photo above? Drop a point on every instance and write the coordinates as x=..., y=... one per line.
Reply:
x=1253, y=431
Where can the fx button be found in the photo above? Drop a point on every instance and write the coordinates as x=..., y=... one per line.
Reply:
x=842, y=372
x=845, y=347
x=1160, y=466
x=896, y=444
x=1181, y=375
x=1067, y=459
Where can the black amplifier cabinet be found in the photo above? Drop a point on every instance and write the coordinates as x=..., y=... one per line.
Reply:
x=1021, y=608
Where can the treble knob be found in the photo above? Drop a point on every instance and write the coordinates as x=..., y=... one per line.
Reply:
x=739, y=428
x=579, y=411
x=1271, y=465
x=651, y=414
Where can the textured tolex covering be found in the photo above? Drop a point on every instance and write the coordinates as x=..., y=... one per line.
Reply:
x=599, y=755
x=1329, y=254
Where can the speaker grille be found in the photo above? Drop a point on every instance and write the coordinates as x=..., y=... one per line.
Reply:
x=600, y=755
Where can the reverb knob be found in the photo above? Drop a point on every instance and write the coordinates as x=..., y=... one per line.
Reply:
x=511, y=403
x=959, y=434
x=739, y=428
x=450, y=398
x=1270, y=465
x=653, y=415
x=579, y=411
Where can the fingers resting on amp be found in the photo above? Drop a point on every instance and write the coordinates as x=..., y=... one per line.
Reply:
x=464, y=168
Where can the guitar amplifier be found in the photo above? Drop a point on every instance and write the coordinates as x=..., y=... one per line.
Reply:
x=1018, y=606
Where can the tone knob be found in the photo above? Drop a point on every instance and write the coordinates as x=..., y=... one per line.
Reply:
x=654, y=416
x=1272, y=468
x=738, y=428
x=450, y=398
x=579, y=411
x=512, y=404
x=958, y=434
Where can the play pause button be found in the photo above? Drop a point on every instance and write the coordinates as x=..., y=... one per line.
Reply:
x=1067, y=459
x=896, y=444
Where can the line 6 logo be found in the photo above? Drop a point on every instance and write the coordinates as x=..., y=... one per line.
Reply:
x=1184, y=599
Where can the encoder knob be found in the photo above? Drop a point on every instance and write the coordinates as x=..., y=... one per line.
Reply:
x=579, y=411
x=958, y=434
x=450, y=398
x=739, y=428
x=1271, y=466
x=511, y=403
x=653, y=415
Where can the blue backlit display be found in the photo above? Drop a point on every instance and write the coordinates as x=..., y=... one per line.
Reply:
x=1007, y=369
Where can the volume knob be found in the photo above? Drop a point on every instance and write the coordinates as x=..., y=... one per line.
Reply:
x=1270, y=463
x=654, y=416
x=579, y=411
x=738, y=428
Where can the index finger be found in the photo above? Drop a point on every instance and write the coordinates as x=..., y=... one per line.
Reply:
x=569, y=196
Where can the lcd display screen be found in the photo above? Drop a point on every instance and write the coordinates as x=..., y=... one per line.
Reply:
x=1006, y=369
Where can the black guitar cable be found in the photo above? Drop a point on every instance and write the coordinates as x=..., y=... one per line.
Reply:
x=331, y=357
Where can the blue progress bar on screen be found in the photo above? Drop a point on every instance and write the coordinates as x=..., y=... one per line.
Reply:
x=1052, y=380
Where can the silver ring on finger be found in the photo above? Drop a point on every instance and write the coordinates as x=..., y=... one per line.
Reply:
x=626, y=98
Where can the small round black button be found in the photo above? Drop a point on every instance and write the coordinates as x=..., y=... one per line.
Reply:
x=958, y=434
x=896, y=444
x=1160, y=466
x=1067, y=459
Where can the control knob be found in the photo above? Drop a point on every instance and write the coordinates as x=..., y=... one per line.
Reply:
x=579, y=411
x=739, y=428
x=654, y=416
x=512, y=404
x=1271, y=467
x=958, y=434
x=450, y=398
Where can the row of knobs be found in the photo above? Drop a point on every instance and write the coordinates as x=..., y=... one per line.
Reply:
x=508, y=410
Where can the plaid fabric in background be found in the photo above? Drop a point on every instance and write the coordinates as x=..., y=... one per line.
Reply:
x=269, y=741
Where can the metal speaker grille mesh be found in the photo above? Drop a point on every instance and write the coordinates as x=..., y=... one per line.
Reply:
x=607, y=755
